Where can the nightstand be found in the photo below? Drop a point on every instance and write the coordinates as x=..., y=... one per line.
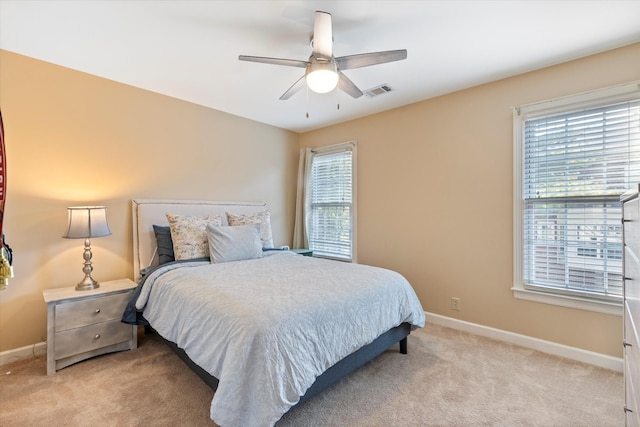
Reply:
x=304, y=252
x=84, y=324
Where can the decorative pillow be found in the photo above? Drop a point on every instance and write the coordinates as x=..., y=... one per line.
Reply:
x=234, y=243
x=164, y=243
x=189, y=235
x=263, y=219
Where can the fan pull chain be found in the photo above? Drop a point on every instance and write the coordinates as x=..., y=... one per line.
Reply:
x=307, y=91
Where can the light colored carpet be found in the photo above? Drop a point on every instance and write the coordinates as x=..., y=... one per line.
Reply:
x=449, y=378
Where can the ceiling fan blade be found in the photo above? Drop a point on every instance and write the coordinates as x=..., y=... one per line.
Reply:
x=366, y=59
x=274, y=61
x=347, y=86
x=295, y=88
x=322, y=35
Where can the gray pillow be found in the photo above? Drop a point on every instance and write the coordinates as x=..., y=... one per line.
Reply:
x=234, y=243
x=164, y=244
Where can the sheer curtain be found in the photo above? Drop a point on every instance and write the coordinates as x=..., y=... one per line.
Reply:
x=300, y=238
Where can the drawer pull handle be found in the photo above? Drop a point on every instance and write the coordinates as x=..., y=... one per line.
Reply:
x=627, y=409
x=626, y=220
x=97, y=336
x=626, y=344
x=97, y=310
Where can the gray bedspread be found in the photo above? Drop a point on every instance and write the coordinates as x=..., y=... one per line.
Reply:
x=266, y=328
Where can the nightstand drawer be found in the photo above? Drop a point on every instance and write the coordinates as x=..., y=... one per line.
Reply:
x=79, y=340
x=94, y=310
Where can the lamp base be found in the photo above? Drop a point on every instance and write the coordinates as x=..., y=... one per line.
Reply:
x=87, y=284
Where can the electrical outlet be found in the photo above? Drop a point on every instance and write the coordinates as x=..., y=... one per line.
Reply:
x=455, y=303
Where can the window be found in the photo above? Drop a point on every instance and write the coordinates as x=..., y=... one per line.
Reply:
x=574, y=158
x=330, y=219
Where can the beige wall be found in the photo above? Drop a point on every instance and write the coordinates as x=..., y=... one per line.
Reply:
x=434, y=185
x=435, y=198
x=74, y=139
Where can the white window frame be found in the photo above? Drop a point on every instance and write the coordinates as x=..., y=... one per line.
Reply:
x=591, y=99
x=337, y=148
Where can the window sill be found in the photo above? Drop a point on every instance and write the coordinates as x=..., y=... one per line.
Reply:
x=569, y=301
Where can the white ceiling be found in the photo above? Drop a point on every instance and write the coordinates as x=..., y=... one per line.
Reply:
x=189, y=49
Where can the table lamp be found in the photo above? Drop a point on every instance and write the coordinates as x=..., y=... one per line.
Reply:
x=86, y=222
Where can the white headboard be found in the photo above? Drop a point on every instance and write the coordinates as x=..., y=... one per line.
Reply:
x=147, y=212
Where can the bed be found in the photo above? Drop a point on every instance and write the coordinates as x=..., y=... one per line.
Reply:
x=266, y=329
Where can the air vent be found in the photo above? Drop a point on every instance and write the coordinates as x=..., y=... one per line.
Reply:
x=378, y=90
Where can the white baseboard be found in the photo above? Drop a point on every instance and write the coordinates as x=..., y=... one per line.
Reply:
x=34, y=350
x=585, y=356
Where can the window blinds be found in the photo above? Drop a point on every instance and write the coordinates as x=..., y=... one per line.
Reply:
x=330, y=224
x=575, y=166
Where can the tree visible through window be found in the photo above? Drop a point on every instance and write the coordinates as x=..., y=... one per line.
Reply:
x=576, y=162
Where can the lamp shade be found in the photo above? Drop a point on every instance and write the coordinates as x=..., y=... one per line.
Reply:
x=86, y=222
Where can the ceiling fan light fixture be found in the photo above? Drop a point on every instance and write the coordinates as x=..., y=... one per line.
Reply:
x=323, y=71
x=322, y=77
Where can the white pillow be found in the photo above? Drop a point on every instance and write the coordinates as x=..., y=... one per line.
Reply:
x=263, y=219
x=234, y=243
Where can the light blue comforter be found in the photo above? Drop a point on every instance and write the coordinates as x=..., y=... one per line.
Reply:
x=266, y=328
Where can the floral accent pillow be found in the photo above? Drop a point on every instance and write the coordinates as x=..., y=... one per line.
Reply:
x=189, y=235
x=263, y=219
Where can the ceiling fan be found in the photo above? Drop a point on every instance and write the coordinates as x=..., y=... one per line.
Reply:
x=323, y=71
